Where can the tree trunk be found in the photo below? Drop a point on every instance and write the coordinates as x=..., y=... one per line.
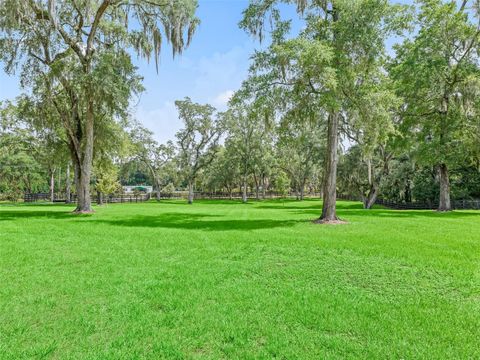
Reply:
x=408, y=192
x=190, y=192
x=264, y=188
x=329, y=211
x=68, y=186
x=444, y=203
x=59, y=179
x=244, y=190
x=100, y=198
x=76, y=178
x=443, y=177
x=158, y=185
x=369, y=170
x=302, y=190
x=371, y=197
x=369, y=201
x=257, y=187
x=84, y=201
x=52, y=185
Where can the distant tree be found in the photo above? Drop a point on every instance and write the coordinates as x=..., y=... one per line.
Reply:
x=52, y=153
x=244, y=141
x=398, y=184
x=282, y=184
x=198, y=140
x=168, y=189
x=19, y=169
x=364, y=176
x=133, y=172
x=155, y=156
x=107, y=182
x=224, y=172
x=51, y=150
x=301, y=145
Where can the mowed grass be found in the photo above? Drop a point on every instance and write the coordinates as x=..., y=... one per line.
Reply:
x=225, y=280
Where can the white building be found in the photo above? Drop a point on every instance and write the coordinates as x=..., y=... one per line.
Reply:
x=142, y=188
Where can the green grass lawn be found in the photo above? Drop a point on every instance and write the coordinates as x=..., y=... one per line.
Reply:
x=226, y=280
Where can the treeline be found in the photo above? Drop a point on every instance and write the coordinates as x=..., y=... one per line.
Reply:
x=331, y=109
x=231, y=152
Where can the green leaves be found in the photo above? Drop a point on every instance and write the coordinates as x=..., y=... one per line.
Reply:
x=436, y=74
x=198, y=140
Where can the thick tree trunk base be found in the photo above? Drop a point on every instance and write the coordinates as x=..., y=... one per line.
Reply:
x=82, y=212
x=336, y=221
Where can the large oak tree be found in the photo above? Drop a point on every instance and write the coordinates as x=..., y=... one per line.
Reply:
x=80, y=50
x=337, y=54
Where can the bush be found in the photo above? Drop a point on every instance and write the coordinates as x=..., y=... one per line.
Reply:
x=169, y=189
x=282, y=184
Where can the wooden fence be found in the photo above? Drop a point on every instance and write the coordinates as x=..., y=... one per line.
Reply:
x=36, y=197
x=126, y=198
x=226, y=196
x=456, y=205
x=464, y=204
x=107, y=199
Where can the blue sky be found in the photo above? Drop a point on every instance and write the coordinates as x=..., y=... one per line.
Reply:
x=208, y=71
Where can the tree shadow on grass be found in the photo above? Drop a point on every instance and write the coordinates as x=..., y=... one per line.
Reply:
x=197, y=222
x=38, y=214
x=288, y=207
x=306, y=206
x=387, y=213
x=26, y=205
x=413, y=213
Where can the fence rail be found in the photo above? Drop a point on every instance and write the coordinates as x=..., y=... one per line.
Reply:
x=126, y=198
x=226, y=196
x=36, y=197
x=178, y=195
x=107, y=199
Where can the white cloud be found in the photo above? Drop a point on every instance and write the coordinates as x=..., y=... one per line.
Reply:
x=222, y=71
x=163, y=121
x=222, y=99
x=213, y=81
